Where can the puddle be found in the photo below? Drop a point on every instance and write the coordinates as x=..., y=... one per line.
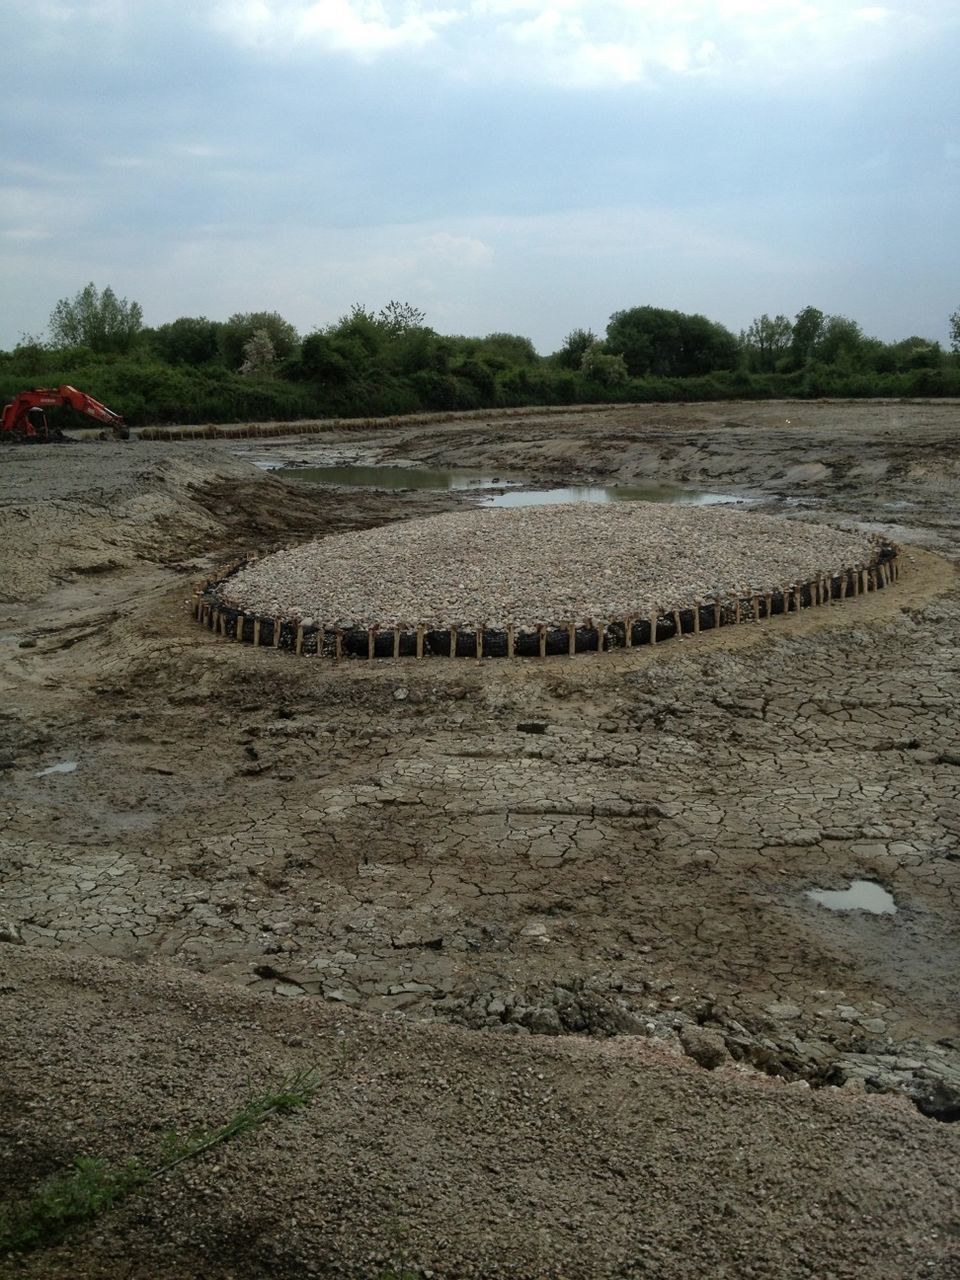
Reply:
x=607, y=493
x=394, y=477
x=376, y=477
x=65, y=766
x=863, y=895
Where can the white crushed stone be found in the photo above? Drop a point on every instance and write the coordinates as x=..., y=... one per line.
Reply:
x=541, y=564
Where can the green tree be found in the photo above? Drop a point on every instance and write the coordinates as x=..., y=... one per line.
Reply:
x=187, y=340
x=955, y=332
x=911, y=353
x=100, y=321
x=399, y=317
x=259, y=356
x=575, y=345
x=240, y=328
x=841, y=341
x=766, y=342
x=807, y=331
x=670, y=343
x=599, y=366
x=508, y=348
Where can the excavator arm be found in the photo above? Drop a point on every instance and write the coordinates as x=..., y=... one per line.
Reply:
x=21, y=419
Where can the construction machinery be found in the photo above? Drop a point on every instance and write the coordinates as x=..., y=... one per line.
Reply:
x=25, y=418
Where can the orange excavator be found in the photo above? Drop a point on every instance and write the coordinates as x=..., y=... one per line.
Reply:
x=24, y=418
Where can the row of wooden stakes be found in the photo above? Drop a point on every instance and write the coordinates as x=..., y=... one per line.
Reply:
x=216, y=612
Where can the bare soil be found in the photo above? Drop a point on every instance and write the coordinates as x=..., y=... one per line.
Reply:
x=543, y=924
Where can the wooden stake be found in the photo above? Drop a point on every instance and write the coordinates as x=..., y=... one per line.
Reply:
x=479, y=635
x=511, y=640
x=696, y=617
x=736, y=609
x=677, y=625
x=768, y=603
x=338, y=645
x=572, y=634
x=276, y=633
x=256, y=633
x=716, y=613
x=453, y=642
x=542, y=638
x=396, y=642
x=238, y=629
x=371, y=643
x=653, y=629
x=299, y=648
x=863, y=581
x=420, y=642
x=628, y=633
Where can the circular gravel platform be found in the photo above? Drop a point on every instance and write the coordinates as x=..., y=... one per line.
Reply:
x=539, y=579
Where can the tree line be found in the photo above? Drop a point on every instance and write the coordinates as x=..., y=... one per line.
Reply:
x=256, y=366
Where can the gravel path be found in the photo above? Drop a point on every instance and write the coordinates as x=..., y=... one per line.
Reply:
x=540, y=564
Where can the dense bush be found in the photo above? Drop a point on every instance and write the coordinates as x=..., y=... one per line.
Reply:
x=389, y=362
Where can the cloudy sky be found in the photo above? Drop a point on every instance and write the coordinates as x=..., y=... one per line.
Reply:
x=502, y=164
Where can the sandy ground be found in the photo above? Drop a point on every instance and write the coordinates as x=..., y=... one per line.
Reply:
x=544, y=924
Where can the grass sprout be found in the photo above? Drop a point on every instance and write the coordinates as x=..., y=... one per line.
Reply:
x=91, y=1186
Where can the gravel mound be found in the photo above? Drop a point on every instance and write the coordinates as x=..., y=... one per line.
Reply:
x=539, y=564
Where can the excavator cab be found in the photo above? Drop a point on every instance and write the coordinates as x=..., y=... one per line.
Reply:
x=37, y=423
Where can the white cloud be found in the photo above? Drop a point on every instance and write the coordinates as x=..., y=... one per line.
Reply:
x=458, y=251
x=595, y=43
x=363, y=28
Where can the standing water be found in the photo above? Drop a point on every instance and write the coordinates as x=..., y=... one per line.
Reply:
x=863, y=895
x=512, y=495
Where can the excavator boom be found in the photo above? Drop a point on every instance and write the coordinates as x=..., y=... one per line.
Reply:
x=24, y=418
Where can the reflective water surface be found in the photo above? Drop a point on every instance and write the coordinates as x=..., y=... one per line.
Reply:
x=513, y=495
x=863, y=895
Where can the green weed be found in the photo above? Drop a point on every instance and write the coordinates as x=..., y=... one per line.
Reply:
x=92, y=1186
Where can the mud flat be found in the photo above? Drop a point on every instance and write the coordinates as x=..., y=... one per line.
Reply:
x=546, y=926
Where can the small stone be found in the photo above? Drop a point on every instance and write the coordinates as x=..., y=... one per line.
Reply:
x=341, y=995
x=783, y=1009
x=535, y=931
x=543, y=1021
x=705, y=1046
x=9, y=932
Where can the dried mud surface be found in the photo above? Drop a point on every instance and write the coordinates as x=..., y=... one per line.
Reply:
x=544, y=924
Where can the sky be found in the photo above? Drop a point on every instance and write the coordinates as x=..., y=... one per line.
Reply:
x=504, y=165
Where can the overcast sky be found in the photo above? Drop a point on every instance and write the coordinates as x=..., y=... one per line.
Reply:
x=502, y=164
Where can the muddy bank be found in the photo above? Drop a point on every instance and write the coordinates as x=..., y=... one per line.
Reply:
x=435, y=1151
x=605, y=856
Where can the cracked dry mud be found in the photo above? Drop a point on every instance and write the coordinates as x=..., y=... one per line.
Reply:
x=595, y=868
